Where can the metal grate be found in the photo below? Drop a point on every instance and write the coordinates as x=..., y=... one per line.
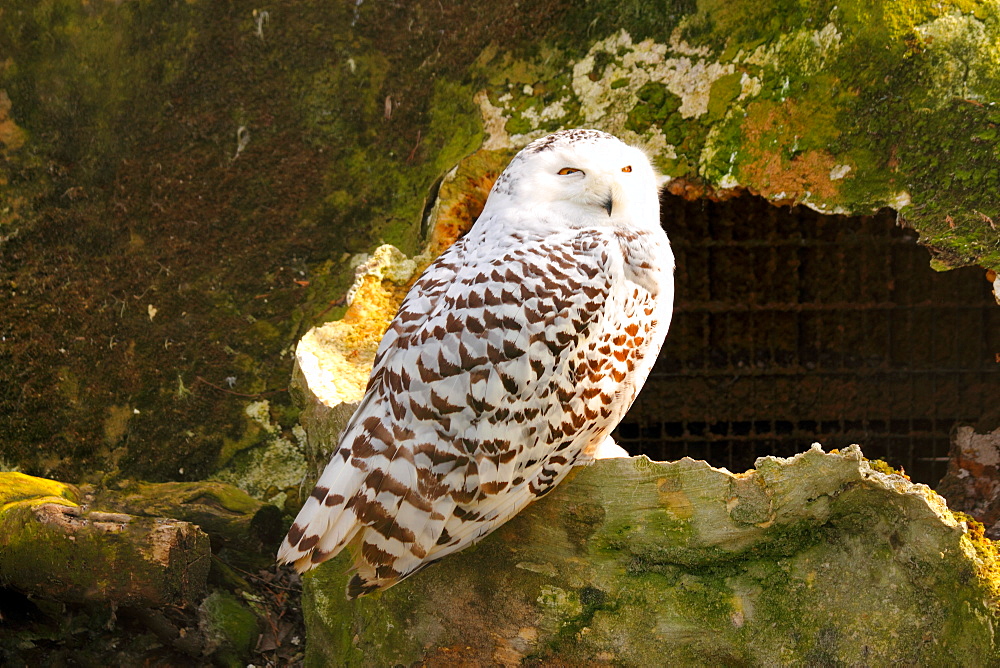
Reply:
x=793, y=327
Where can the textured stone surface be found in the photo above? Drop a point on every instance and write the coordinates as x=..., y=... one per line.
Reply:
x=817, y=559
x=845, y=108
x=225, y=513
x=972, y=483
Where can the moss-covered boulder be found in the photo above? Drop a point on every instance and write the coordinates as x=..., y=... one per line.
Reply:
x=229, y=627
x=845, y=107
x=813, y=560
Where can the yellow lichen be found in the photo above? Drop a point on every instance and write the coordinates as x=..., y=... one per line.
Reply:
x=17, y=489
x=985, y=555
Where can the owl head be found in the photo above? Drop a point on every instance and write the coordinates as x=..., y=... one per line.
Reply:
x=588, y=177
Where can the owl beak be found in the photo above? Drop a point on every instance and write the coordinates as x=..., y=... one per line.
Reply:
x=608, y=203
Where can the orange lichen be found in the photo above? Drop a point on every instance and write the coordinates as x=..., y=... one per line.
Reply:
x=692, y=190
x=462, y=197
x=460, y=215
x=11, y=136
x=776, y=169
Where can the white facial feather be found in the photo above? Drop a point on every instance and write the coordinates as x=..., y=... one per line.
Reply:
x=510, y=361
x=577, y=176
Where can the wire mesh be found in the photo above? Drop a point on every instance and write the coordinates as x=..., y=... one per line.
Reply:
x=793, y=327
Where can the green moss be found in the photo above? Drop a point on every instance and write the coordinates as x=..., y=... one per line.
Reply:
x=518, y=125
x=253, y=435
x=562, y=605
x=707, y=598
x=725, y=89
x=842, y=106
x=850, y=569
x=946, y=176
x=230, y=626
x=324, y=606
x=90, y=563
x=656, y=105
x=641, y=18
x=86, y=64
x=187, y=501
x=387, y=189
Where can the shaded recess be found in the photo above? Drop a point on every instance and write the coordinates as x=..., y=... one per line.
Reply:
x=792, y=327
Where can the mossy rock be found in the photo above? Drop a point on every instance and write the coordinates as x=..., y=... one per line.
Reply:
x=817, y=559
x=230, y=628
x=18, y=488
x=846, y=108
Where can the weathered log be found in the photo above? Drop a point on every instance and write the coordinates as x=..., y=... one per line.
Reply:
x=226, y=513
x=52, y=546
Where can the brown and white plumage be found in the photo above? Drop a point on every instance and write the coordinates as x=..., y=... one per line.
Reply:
x=511, y=359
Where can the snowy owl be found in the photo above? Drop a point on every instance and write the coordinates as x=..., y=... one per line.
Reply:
x=510, y=361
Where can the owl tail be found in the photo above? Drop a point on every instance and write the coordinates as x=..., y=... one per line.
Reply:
x=326, y=523
x=385, y=558
x=390, y=526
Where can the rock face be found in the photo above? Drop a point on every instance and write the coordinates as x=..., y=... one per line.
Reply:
x=972, y=483
x=813, y=560
x=347, y=116
x=333, y=361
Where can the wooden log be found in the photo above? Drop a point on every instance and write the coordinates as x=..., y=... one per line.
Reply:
x=52, y=546
x=231, y=517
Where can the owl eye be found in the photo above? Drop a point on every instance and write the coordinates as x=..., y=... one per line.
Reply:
x=569, y=170
x=627, y=169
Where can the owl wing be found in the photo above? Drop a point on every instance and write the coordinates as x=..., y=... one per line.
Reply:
x=488, y=386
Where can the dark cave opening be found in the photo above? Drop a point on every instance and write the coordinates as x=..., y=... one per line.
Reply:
x=792, y=327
